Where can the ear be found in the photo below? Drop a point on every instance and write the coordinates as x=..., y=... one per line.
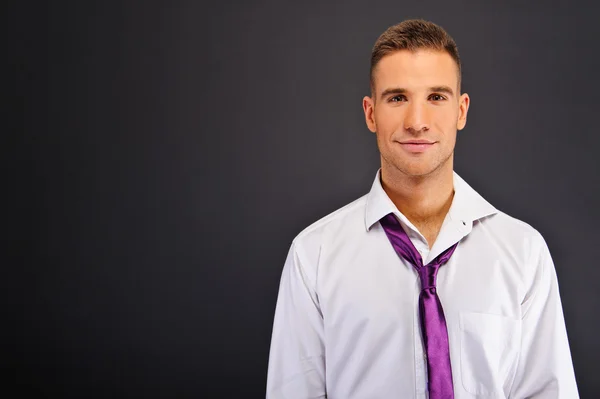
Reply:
x=369, y=108
x=463, y=108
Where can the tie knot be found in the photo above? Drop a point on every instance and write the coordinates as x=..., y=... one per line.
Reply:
x=428, y=275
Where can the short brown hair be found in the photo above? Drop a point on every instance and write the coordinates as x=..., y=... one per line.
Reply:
x=413, y=35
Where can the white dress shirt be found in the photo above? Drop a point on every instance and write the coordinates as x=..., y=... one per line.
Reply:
x=347, y=325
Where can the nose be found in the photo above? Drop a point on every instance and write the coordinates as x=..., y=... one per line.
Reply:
x=416, y=118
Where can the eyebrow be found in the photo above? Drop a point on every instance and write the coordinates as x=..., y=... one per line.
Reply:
x=435, y=89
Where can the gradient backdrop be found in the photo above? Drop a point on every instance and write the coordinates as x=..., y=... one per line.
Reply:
x=161, y=156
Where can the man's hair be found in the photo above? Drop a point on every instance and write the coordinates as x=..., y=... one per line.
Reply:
x=413, y=35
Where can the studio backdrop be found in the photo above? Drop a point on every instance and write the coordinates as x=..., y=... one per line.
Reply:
x=161, y=157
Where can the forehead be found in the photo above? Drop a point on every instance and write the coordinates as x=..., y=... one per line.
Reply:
x=416, y=69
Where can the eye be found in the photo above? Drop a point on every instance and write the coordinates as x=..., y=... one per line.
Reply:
x=397, y=98
x=437, y=97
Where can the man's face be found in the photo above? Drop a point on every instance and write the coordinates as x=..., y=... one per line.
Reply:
x=416, y=110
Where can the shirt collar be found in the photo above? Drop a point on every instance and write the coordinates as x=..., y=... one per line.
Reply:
x=467, y=204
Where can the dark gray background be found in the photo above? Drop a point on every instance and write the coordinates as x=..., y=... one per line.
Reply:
x=162, y=156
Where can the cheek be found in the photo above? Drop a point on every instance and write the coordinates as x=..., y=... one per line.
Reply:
x=388, y=120
x=446, y=119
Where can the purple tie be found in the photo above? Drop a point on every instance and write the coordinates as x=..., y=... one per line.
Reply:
x=433, y=323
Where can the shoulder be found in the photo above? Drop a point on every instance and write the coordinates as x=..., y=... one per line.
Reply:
x=348, y=216
x=510, y=234
x=516, y=237
x=307, y=244
x=503, y=225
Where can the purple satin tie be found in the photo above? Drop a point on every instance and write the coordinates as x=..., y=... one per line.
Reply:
x=433, y=322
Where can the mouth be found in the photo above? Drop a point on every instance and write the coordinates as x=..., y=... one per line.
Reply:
x=416, y=146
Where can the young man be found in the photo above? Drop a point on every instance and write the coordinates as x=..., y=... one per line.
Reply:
x=421, y=288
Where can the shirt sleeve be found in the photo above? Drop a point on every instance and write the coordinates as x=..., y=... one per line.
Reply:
x=545, y=369
x=297, y=355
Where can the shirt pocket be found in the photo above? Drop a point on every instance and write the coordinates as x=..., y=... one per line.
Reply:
x=489, y=348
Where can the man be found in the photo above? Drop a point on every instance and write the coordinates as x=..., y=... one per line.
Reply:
x=421, y=288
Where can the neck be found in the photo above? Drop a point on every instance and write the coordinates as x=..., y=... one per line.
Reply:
x=424, y=200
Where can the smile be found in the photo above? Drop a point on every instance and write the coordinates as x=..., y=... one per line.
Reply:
x=416, y=146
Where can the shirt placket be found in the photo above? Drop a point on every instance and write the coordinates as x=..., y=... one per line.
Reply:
x=420, y=355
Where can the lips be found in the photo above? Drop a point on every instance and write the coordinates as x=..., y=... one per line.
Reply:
x=417, y=146
x=417, y=142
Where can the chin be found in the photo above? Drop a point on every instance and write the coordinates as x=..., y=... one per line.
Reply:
x=425, y=166
x=418, y=173
x=417, y=170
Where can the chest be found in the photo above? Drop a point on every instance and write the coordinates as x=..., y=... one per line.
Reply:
x=371, y=282
x=369, y=298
